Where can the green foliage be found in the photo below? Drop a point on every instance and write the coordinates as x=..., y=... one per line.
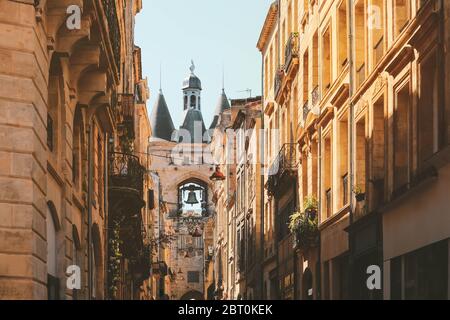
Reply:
x=305, y=229
x=311, y=203
x=114, y=259
x=357, y=189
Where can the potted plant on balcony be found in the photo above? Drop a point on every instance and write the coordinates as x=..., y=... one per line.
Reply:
x=360, y=195
x=311, y=205
x=305, y=229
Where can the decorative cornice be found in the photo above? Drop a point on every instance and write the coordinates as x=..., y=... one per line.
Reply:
x=267, y=28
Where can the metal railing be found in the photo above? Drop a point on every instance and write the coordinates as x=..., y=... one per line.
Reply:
x=110, y=10
x=306, y=110
x=285, y=162
x=279, y=74
x=315, y=95
x=292, y=48
x=125, y=171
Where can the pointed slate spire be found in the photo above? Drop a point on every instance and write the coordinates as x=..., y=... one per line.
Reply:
x=160, y=119
x=222, y=105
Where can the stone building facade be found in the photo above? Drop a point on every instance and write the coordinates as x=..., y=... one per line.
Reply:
x=63, y=95
x=359, y=94
x=183, y=165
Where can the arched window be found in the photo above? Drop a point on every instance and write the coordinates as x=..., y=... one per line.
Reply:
x=192, y=198
x=193, y=101
x=55, y=96
x=52, y=275
x=185, y=102
x=76, y=254
x=199, y=105
x=77, y=147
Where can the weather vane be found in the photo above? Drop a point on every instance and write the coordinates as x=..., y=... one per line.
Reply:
x=192, y=68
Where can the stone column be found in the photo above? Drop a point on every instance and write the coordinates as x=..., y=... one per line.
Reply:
x=23, y=113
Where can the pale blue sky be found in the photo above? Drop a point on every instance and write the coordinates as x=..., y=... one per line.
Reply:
x=213, y=33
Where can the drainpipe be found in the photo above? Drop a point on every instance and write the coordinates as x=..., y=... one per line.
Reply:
x=262, y=159
x=106, y=210
x=351, y=138
x=90, y=196
x=319, y=191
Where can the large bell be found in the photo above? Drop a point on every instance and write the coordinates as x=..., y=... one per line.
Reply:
x=192, y=198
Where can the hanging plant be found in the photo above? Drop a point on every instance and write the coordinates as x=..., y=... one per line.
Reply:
x=114, y=259
x=305, y=230
x=311, y=206
x=360, y=195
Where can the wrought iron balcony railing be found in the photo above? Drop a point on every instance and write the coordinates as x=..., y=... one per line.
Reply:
x=306, y=110
x=125, y=171
x=284, y=163
x=292, y=48
x=315, y=96
x=279, y=74
x=110, y=10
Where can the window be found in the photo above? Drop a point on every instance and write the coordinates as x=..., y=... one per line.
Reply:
x=422, y=274
x=401, y=15
x=193, y=277
x=428, y=109
x=304, y=175
x=326, y=61
x=193, y=101
x=342, y=35
x=401, y=139
x=50, y=138
x=100, y=170
x=378, y=154
x=343, y=161
x=360, y=42
x=315, y=71
x=360, y=162
x=185, y=102
x=377, y=28
x=327, y=180
x=305, y=85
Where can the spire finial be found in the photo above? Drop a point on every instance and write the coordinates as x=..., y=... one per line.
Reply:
x=223, y=77
x=192, y=67
x=160, y=77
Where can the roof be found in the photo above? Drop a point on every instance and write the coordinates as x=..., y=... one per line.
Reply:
x=222, y=105
x=192, y=82
x=160, y=120
x=267, y=28
x=194, y=125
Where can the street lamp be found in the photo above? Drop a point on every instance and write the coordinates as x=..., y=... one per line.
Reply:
x=217, y=175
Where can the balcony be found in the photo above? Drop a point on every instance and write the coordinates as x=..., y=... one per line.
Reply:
x=279, y=75
x=110, y=10
x=125, y=118
x=315, y=96
x=126, y=177
x=284, y=165
x=291, y=51
x=306, y=110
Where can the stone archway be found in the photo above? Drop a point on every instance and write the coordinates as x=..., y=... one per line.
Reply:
x=192, y=295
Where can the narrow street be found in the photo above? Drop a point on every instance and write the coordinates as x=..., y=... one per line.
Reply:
x=224, y=150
